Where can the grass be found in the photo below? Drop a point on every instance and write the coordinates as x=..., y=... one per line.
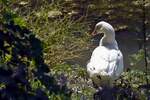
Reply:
x=62, y=38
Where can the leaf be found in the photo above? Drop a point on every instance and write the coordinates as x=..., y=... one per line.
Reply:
x=23, y=3
x=19, y=21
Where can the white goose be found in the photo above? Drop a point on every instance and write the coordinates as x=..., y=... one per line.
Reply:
x=106, y=63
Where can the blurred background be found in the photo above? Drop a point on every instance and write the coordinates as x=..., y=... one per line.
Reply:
x=47, y=43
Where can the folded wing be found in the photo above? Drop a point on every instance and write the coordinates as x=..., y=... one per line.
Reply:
x=105, y=62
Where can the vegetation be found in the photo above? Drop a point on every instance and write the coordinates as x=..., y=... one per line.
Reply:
x=39, y=37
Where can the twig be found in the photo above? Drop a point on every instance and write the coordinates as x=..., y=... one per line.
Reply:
x=145, y=47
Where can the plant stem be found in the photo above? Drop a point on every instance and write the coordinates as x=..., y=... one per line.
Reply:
x=145, y=46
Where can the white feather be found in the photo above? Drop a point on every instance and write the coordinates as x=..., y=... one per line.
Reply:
x=106, y=60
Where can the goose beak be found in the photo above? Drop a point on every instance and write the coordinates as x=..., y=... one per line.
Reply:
x=94, y=32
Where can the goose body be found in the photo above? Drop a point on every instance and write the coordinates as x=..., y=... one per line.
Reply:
x=106, y=63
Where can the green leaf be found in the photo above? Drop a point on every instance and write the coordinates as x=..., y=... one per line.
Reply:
x=20, y=21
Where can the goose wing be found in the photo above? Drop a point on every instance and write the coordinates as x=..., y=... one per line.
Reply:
x=105, y=62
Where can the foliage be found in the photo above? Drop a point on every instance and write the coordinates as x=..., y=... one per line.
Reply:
x=136, y=58
x=65, y=40
x=76, y=78
x=18, y=47
x=133, y=85
x=37, y=37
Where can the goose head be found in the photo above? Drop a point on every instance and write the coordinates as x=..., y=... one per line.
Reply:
x=107, y=30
